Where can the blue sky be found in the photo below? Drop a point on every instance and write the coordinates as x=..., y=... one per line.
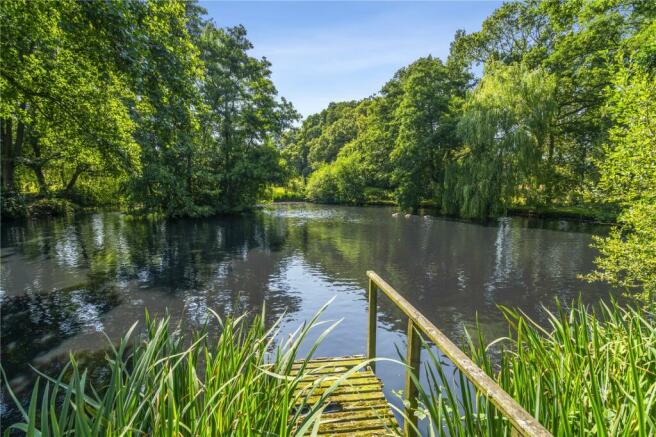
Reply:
x=334, y=51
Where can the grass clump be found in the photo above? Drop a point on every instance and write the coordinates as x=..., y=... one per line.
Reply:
x=588, y=373
x=237, y=384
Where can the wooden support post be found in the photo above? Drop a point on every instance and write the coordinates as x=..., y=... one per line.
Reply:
x=522, y=422
x=413, y=359
x=373, y=308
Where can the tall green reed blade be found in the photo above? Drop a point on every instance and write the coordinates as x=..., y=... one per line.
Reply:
x=237, y=383
x=582, y=372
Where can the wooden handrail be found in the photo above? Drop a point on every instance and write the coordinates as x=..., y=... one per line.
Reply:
x=521, y=420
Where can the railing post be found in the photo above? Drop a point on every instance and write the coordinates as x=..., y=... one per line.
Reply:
x=373, y=308
x=521, y=420
x=413, y=360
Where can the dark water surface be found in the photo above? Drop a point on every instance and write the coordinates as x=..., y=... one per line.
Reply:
x=65, y=283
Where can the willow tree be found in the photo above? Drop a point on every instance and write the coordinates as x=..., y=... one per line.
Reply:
x=505, y=126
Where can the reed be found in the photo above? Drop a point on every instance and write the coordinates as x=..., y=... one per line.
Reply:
x=586, y=372
x=237, y=383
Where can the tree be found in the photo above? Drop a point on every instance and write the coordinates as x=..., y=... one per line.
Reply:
x=243, y=124
x=505, y=127
x=63, y=110
x=424, y=130
x=165, y=76
x=515, y=32
x=628, y=177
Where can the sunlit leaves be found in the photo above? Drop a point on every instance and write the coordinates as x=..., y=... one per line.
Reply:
x=628, y=177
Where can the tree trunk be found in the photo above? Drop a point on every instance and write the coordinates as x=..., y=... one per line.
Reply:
x=8, y=183
x=40, y=179
x=37, y=168
x=81, y=168
x=11, y=150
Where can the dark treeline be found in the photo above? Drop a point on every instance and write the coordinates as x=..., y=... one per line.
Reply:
x=532, y=130
x=142, y=103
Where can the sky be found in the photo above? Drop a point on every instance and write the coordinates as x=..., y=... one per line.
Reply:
x=323, y=52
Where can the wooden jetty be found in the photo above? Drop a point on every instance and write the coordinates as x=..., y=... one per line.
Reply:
x=358, y=407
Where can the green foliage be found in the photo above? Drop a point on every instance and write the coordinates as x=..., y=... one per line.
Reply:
x=50, y=207
x=339, y=182
x=378, y=196
x=123, y=100
x=628, y=177
x=62, y=114
x=530, y=130
x=505, y=125
x=12, y=205
x=241, y=126
x=588, y=373
x=320, y=138
x=293, y=191
x=425, y=132
x=238, y=384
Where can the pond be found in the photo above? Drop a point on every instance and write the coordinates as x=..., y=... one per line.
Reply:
x=68, y=283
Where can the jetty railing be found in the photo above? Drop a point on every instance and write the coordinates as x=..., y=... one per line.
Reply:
x=523, y=423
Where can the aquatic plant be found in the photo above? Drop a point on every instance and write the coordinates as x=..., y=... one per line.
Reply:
x=589, y=372
x=239, y=382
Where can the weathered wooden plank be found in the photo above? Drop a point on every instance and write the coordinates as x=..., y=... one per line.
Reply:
x=329, y=373
x=328, y=365
x=356, y=425
x=380, y=412
x=341, y=361
x=341, y=390
x=327, y=382
x=351, y=397
x=357, y=406
x=326, y=370
x=374, y=432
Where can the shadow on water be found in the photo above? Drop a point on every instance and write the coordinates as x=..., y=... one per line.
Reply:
x=66, y=284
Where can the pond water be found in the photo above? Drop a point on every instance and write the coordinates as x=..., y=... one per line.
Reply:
x=65, y=284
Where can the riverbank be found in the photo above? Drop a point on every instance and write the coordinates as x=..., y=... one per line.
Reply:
x=34, y=206
x=588, y=213
x=595, y=213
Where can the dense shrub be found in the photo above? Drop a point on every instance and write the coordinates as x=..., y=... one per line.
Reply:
x=321, y=185
x=341, y=181
x=374, y=195
x=294, y=191
x=12, y=205
x=51, y=207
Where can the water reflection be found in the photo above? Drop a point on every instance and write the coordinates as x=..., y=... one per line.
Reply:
x=66, y=283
